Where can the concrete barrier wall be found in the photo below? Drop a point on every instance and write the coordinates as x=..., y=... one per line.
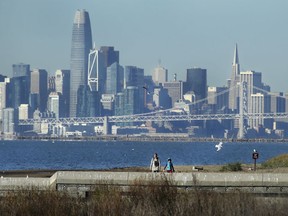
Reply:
x=180, y=179
x=128, y=178
x=24, y=183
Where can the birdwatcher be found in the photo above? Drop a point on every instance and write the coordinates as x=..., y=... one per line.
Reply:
x=169, y=166
x=155, y=163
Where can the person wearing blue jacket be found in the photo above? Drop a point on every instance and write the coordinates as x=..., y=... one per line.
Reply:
x=169, y=166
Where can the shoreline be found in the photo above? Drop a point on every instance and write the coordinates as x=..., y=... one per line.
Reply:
x=150, y=138
x=44, y=173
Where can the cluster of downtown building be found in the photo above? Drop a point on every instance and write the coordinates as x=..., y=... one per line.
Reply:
x=97, y=85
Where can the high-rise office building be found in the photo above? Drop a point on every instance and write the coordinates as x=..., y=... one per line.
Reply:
x=110, y=55
x=196, y=81
x=259, y=104
x=8, y=121
x=18, y=91
x=62, y=85
x=175, y=91
x=88, y=102
x=160, y=75
x=127, y=103
x=114, y=79
x=3, y=93
x=119, y=104
x=254, y=81
x=21, y=70
x=53, y=104
x=233, y=82
x=39, y=86
x=217, y=97
x=23, y=111
x=277, y=104
x=134, y=76
x=2, y=78
x=80, y=48
x=131, y=96
x=96, y=71
x=51, y=84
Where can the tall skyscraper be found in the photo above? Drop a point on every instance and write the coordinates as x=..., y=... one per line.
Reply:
x=20, y=84
x=96, y=71
x=62, y=85
x=175, y=91
x=18, y=91
x=127, y=103
x=110, y=55
x=80, y=48
x=134, y=76
x=23, y=111
x=259, y=104
x=196, y=81
x=39, y=86
x=253, y=79
x=8, y=121
x=3, y=94
x=160, y=75
x=21, y=70
x=114, y=79
x=216, y=99
x=235, y=78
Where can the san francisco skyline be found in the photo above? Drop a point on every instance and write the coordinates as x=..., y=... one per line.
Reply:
x=182, y=34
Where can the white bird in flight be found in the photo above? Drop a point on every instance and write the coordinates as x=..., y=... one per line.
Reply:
x=219, y=146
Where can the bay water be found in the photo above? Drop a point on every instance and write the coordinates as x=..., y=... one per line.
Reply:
x=84, y=155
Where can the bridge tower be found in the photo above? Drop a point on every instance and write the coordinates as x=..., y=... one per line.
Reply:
x=242, y=110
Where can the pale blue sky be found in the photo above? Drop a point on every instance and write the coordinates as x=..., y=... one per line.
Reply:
x=182, y=33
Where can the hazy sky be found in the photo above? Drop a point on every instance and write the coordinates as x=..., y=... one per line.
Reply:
x=182, y=33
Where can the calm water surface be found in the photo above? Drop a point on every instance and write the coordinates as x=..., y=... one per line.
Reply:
x=19, y=155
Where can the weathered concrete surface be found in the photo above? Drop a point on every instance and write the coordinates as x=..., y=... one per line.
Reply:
x=180, y=179
x=82, y=181
x=24, y=183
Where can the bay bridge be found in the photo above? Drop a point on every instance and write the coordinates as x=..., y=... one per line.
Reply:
x=172, y=114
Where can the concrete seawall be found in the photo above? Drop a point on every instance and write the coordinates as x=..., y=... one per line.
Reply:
x=81, y=182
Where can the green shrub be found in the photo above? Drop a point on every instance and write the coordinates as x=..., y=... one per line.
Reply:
x=232, y=167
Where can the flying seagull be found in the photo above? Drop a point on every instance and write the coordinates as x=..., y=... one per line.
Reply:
x=219, y=146
x=147, y=91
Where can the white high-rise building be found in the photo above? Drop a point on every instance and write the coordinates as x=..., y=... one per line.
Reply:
x=53, y=103
x=23, y=111
x=62, y=86
x=96, y=71
x=257, y=106
x=233, y=82
x=160, y=75
x=3, y=87
x=8, y=121
x=253, y=79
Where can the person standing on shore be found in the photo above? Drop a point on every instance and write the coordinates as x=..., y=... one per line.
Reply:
x=155, y=163
x=169, y=166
